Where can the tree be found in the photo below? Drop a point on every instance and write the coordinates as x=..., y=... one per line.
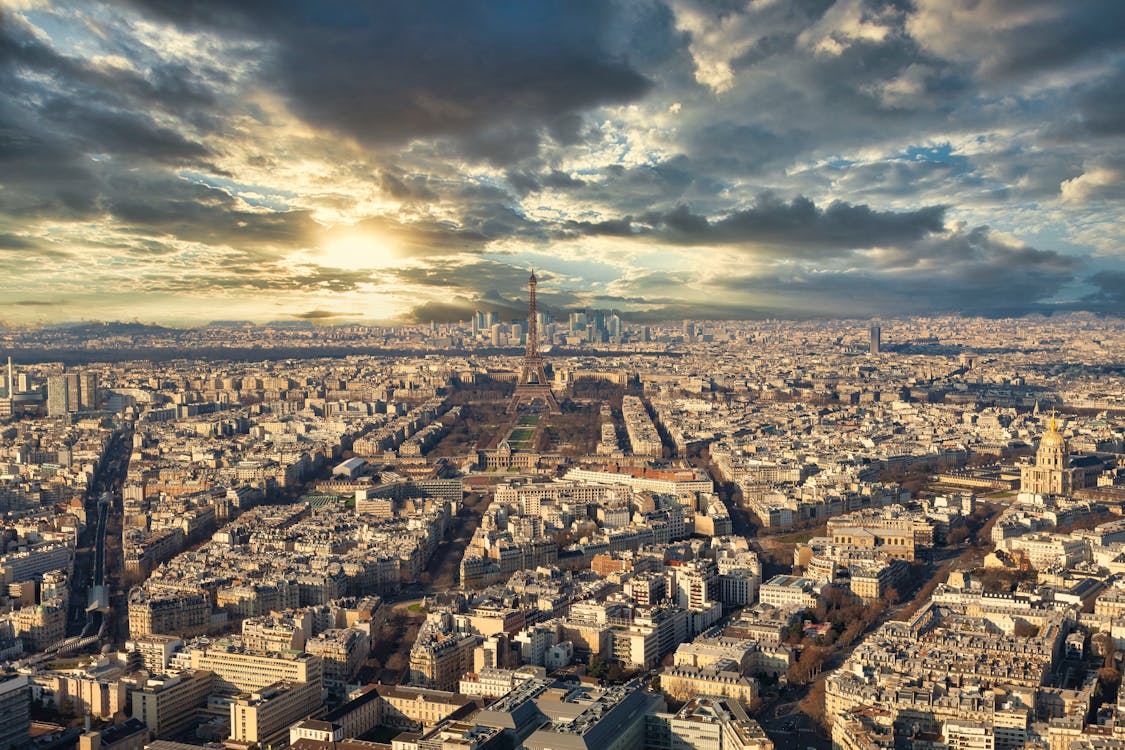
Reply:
x=813, y=704
x=411, y=634
x=958, y=535
x=615, y=672
x=1105, y=646
x=807, y=665
x=851, y=632
x=1109, y=676
x=793, y=633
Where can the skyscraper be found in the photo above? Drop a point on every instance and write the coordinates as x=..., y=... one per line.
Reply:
x=876, y=339
x=577, y=322
x=88, y=390
x=73, y=391
x=57, y=396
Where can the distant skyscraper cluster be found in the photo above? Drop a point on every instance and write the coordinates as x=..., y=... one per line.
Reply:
x=70, y=392
x=583, y=326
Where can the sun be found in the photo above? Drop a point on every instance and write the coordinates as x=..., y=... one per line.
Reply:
x=357, y=250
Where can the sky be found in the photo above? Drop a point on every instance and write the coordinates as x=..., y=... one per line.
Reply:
x=182, y=162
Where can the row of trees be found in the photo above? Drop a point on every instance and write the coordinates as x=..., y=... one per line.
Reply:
x=848, y=618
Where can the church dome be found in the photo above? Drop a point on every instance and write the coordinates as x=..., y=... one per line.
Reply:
x=1052, y=438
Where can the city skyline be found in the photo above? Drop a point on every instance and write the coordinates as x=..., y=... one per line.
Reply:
x=183, y=163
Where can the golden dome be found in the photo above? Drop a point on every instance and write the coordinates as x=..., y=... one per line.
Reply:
x=1052, y=438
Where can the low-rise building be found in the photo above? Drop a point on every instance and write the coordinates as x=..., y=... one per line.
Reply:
x=788, y=592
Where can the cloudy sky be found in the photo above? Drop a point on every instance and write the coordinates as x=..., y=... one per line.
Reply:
x=182, y=162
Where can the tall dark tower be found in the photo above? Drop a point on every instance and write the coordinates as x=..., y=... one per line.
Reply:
x=532, y=385
x=532, y=322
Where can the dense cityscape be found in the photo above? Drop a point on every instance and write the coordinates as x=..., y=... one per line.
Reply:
x=899, y=533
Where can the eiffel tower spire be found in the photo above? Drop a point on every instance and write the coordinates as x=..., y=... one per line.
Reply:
x=532, y=385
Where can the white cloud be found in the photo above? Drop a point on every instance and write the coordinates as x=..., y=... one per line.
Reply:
x=845, y=23
x=1102, y=182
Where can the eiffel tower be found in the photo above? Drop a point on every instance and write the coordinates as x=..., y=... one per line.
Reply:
x=532, y=385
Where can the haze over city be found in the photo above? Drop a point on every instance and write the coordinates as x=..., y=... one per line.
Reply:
x=398, y=162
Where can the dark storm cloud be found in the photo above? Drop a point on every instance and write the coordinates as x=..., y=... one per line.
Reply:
x=524, y=181
x=1067, y=32
x=14, y=247
x=78, y=143
x=730, y=146
x=1110, y=295
x=490, y=72
x=168, y=86
x=318, y=315
x=406, y=187
x=193, y=212
x=43, y=174
x=798, y=227
x=501, y=144
x=1101, y=105
x=97, y=111
x=966, y=272
x=646, y=188
x=15, y=242
x=800, y=224
x=256, y=275
x=976, y=252
x=120, y=133
x=624, y=227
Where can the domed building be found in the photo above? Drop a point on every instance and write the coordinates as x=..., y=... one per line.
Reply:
x=1051, y=474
